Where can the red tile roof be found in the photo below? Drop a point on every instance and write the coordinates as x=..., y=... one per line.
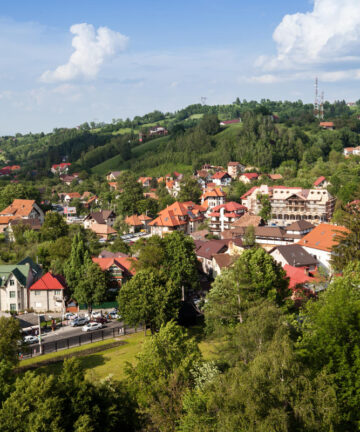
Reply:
x=250, y=176
x=125, y=263
x=297, y=275
x=19, y=208
x=220, y=175
x=49, y=282
x=319, y=180
x=327, y=124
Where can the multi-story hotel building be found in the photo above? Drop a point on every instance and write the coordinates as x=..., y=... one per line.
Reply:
x=292, y=203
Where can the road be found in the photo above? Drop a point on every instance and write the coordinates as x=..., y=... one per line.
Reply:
x=68, y=331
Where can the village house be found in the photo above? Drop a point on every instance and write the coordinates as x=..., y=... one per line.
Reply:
x=327, y=125
x=120, y=270
x=69, y=178
x=229, y=122
x=349, y=151
x=266, y=236
x=102, y=217
x=221, y=178
x=295, y=256
x=275, y=177
x=248, y=177
x=234, y=169
x=321, y=182
x=113, y=175
x=212, y=198
x=137, y=223
x=320, y=242
x=221, y=217
x=103, y=231
x=48, y=293
x=207, y=250
x=20, y=209
x=184, y=217
x=291, y=203
x=173, y=187
x=67, y=197
x=61, y=168
x=145, y=181
x=15, y=281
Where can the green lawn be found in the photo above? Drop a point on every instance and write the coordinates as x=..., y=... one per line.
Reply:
x=112, y=361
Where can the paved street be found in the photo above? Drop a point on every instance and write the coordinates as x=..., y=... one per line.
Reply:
x=68, y=331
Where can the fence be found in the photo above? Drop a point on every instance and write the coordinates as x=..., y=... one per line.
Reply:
x=78, y=340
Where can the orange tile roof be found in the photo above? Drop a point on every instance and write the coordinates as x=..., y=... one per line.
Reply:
x=167, y=218
x=144, y=217
x=126, y=263
x=133, y=220
x=73, y=195
x=213, y=193
x=4, y=220
x=19, y=208
x=323, y=237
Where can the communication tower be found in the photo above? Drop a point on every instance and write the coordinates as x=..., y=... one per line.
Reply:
x=316, y=102
x=203, y=100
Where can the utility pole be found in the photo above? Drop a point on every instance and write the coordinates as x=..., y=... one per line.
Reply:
x=40, y=345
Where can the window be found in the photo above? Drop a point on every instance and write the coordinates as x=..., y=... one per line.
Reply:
x=12, y=294
x=12, y=282
x=37, y=293
x=13, y=306
x=57, y=292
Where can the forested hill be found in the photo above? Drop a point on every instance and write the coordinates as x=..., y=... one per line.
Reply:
x=270, y=134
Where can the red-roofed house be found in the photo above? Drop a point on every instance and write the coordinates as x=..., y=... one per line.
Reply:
x=145, y=181
x=327, y=125
x=248, y=177
x=47, y=293
x=222, y=216
x=300, y=280
x=137, y=223
x=61, y=168
x=120, y=269
x=213, y=197
x=221, y=178
x=180, y=216
x=321, y=182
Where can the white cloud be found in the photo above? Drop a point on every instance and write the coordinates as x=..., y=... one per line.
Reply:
x=330, y=33
x=92, y=49
x=264, y=79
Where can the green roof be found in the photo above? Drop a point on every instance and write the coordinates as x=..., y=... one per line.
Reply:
x=19, y=271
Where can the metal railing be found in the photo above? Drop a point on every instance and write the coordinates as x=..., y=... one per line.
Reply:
x=76, y=341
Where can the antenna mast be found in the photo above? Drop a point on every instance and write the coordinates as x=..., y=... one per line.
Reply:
x=316, y=102
x=203, y=100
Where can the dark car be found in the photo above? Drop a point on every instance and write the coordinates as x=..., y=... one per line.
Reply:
x=101, y=320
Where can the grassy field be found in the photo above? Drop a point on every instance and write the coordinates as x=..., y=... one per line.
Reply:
x=112, y=361
x=116, y=162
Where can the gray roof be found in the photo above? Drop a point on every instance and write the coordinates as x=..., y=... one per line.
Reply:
x=206, y=249
x=296, y=255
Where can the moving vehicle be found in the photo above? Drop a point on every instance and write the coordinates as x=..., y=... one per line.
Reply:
x=30, y=339
x=91, y=326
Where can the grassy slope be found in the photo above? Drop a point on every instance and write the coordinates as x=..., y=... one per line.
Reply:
x=115, y=163
x=111, y=361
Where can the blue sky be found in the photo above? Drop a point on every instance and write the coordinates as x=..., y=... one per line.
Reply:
x=66, y=62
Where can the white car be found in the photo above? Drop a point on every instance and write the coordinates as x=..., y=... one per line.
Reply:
x=96, y=314
x=30, y=339
x=91, y=326
x=70, y=316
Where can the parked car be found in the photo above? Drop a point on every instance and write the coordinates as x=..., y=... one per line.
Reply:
x=91, y=326
x=78, y=322
x=96, y=314
x=114, y=315
x=70, y=316
x=101, y=320
x=30, y=339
